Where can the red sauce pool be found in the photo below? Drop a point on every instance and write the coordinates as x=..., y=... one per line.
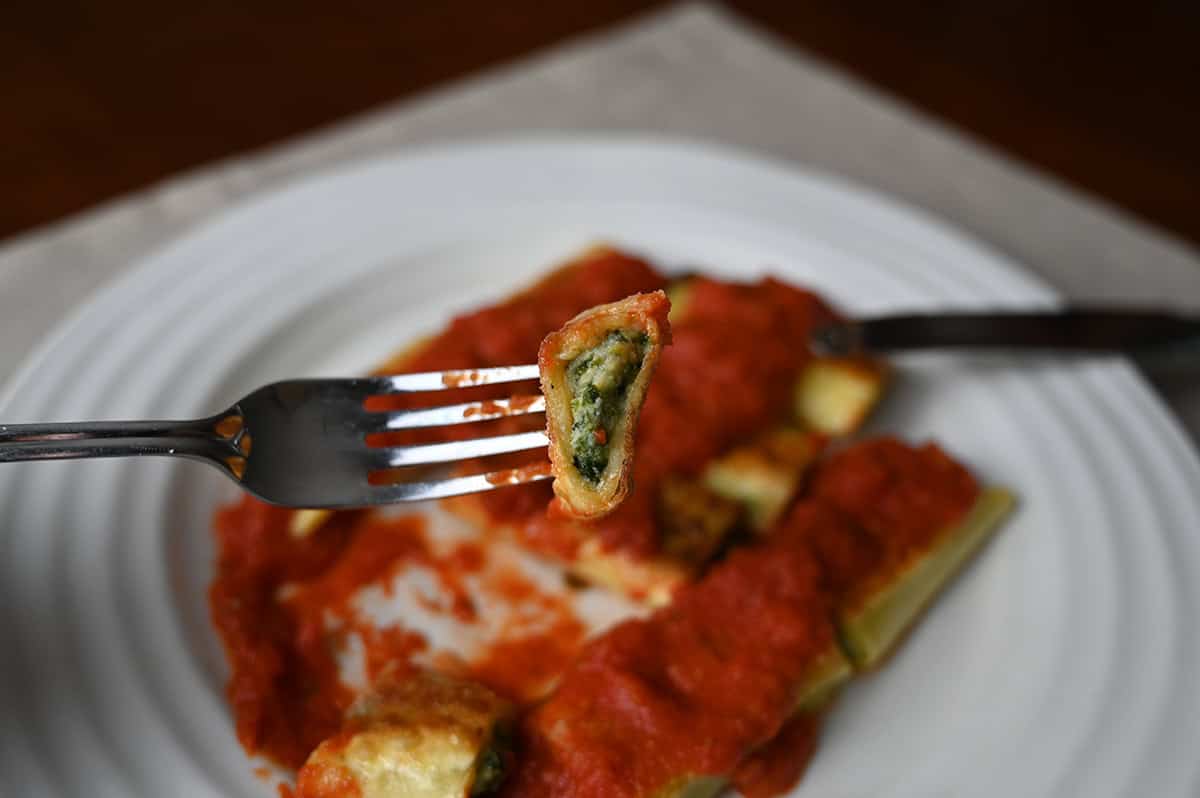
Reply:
x=284, y=688
x=284, y=608
x=524, y=663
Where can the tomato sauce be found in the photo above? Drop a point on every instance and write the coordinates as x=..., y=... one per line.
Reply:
x=777, y=766
x=872, y=507
x=284, y=688
x=525, y=667
x=690, y=690
x=533, y=645
x=846, y=553
x=285, y=610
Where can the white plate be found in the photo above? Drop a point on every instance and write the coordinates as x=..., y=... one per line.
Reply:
x=1062, y=664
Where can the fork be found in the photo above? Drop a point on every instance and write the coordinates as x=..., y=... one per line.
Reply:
x=303, y=443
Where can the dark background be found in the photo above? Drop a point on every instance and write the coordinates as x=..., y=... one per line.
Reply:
x=103, y=97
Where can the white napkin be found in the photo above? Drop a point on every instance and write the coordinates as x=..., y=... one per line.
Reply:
x=693, y=70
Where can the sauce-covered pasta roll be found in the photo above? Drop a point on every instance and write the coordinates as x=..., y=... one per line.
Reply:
x=595, y=372
x=892, y=524
x=427, y=736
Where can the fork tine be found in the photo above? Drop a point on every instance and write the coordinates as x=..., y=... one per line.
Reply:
x=456, y=486
x=454, y=378
x=429, y=453
x=446, y=415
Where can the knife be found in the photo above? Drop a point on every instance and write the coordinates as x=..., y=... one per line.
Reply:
x=1156, y=338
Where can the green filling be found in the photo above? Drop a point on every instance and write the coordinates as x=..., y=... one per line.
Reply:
x=491, y=768
x=599, y=381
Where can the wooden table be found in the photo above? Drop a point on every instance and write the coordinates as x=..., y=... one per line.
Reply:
x=101, y=98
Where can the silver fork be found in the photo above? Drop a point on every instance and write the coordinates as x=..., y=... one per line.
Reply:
x=302, y=443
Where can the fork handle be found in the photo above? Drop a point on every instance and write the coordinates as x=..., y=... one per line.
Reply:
x=69, y=441
x=193, y=448
x=88, y=430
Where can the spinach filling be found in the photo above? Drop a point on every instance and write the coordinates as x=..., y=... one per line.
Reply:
x=492, y=767
x=599, y=381
x=489, y=774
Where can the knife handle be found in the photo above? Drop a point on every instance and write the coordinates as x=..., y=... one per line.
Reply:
x=1141, y=334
